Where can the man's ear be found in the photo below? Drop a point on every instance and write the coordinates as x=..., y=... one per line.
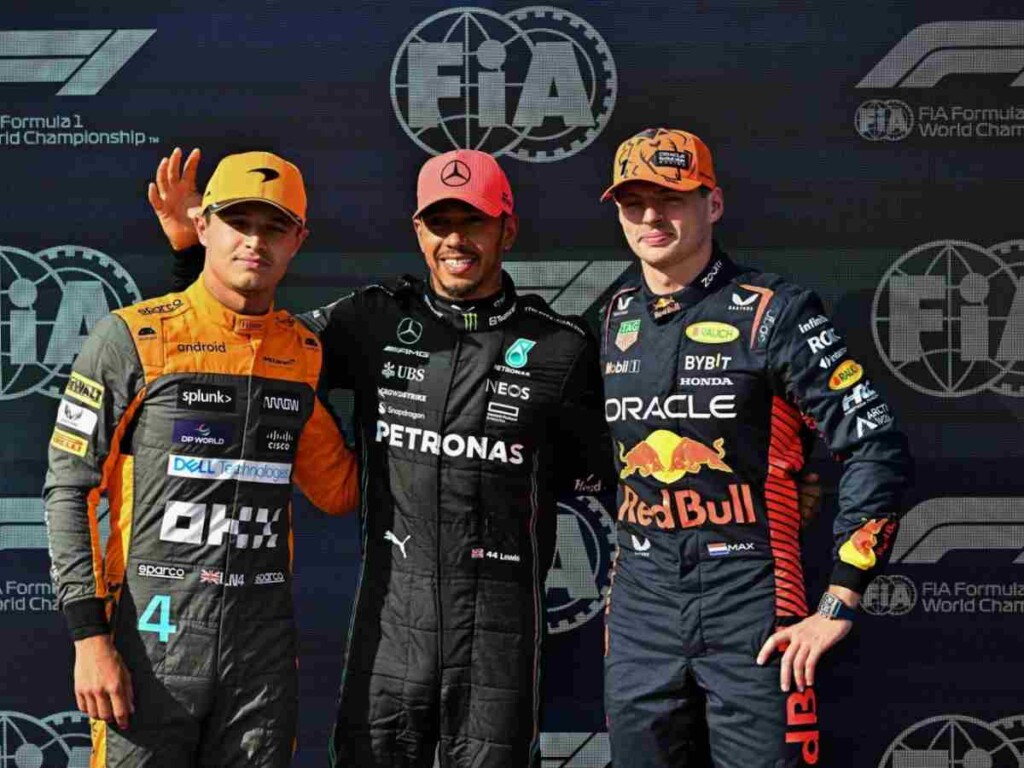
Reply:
x=200, y=223
x=716, y=205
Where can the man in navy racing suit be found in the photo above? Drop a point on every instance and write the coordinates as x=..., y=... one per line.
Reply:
x=711, y=371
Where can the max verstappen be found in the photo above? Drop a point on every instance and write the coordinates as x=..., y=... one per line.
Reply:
x=711, y=372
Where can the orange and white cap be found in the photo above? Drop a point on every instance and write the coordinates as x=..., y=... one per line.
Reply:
x=667, y=157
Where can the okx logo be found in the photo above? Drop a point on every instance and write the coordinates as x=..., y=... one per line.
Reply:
x=49, y=302
x=537, y=83
x=84, y=60
x=923, y=68
x=948, y=318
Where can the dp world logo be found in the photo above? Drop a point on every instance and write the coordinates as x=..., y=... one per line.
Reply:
x=948, y=318
x=537, y=83
x=49, y=301
x=884, y=120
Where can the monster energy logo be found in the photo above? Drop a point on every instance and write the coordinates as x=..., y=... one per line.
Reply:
x=470, y=319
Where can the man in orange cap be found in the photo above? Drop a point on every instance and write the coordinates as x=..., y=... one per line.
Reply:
x=194, y=413
x=730, y=364
x=475, y=407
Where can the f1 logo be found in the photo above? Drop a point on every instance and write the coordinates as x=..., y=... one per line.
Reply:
x=83, y=59
x=933, y=51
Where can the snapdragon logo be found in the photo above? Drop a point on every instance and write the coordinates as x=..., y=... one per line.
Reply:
x=245, y=470
x=452, y=444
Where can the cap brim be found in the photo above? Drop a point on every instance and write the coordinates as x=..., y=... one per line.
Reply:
x=228, y=203
x=685, y=185
x=481, y=205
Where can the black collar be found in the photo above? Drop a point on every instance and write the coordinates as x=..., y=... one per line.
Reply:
x=719, y=271
x=477, y=315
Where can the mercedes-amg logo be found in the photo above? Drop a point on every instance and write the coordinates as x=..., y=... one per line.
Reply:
x=409, y=331
x=269, y=174
x=455, y=174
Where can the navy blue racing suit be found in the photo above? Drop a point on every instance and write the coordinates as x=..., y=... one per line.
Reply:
x=707, y=392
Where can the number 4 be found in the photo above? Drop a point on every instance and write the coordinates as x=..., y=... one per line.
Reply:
x=163, y=626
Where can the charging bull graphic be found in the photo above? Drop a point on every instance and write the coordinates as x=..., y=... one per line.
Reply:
x=667, y=457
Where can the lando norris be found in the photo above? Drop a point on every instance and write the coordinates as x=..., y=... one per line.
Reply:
x=712, y=373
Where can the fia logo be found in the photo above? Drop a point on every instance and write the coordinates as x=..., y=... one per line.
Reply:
x=49, y=302
x=537, y=83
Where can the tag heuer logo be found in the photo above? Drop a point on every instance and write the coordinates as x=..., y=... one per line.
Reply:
x=628, y=333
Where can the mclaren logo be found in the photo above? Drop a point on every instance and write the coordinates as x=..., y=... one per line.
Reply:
x=269, y=174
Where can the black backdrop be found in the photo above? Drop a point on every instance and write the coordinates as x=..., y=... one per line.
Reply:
x=871, y=150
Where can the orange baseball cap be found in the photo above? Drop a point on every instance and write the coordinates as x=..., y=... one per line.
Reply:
x=260, y=176
x=468, y=175
x=665, y=156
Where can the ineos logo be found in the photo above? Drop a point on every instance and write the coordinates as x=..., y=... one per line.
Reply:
x=455, y=174
x=409, y=331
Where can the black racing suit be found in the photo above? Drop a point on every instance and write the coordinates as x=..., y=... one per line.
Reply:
x=470, y=420
x=706, y=392
x=194, y=421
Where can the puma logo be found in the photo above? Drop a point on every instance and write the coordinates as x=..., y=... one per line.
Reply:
x=389, y=536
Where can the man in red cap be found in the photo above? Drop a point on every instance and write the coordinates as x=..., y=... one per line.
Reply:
x=475, y=408
x=708, y=583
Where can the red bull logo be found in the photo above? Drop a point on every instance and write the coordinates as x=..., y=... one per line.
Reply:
x=668, y=457
x=689, y=509
x=860, y=549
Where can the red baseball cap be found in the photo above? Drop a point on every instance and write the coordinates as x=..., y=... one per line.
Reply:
x=468, y=175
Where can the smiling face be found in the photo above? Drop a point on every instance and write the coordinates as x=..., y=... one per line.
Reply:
x=665, y=228
x=248, y=248
x=462, y=247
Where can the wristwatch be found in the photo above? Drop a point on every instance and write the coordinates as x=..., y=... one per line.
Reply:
x=831, y=607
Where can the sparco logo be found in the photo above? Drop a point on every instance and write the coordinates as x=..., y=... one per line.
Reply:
x=160, y=571
x=273, y=577
x=948, y=318
x=49, y=302
x=83, y=59
x=161, y=309
x=206, y=397
x=537, y=83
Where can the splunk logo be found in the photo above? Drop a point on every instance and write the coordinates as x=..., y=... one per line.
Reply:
x=452, y=444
